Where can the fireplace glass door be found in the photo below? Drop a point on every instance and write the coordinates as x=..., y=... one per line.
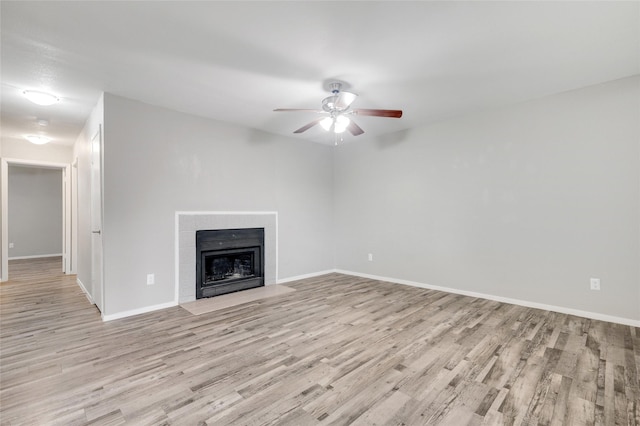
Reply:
x=229, y=266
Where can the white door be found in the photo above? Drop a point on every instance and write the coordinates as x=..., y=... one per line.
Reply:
x=97, y=291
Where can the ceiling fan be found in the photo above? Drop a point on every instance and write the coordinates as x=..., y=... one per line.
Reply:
x=337, y=106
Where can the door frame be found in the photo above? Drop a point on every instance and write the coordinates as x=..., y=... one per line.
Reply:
x=97, y=294
x=67, y=214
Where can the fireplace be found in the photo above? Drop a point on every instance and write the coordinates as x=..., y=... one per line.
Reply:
x=229, y=260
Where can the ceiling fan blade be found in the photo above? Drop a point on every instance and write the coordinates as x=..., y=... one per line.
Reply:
x=344, y=99
x=391, y=113
x=308, y=126
x=354, y=129
x=297, y=109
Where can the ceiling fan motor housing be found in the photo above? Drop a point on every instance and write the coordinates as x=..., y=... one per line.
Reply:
x=329, y=104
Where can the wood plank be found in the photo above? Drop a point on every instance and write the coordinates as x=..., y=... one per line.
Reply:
x=337, y=350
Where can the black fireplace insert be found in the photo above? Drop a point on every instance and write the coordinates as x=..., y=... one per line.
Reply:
x=229, y=260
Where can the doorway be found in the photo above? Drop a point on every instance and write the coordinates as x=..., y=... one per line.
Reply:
x=66, y=211
x=35, y=212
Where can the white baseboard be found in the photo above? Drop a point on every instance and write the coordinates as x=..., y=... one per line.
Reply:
x=525, y=303
x=37, y=256
x=84, y=290
x=139, y=311
x=147, y=309
x=302, y=277
x=545, y=307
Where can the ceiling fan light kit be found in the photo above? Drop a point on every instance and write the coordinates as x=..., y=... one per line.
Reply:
x=338, y=106
x=326, y=123
x=339, y=123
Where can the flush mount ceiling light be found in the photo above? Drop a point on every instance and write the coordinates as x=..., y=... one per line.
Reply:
x=37, y=139
x=40, y=98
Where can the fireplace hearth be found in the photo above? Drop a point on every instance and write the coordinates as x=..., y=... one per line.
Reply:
x=228, y=260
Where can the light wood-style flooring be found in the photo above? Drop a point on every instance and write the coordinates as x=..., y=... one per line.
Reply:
x=339, y=350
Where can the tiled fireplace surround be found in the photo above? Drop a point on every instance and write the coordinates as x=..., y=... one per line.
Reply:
x=187, y=223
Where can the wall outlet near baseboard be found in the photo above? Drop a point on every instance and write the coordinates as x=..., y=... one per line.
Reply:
x=370, y=257
x=151, y=279
x=595, y=283
x=10, y=245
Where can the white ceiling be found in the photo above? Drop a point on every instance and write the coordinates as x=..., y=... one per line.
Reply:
x=237, y=61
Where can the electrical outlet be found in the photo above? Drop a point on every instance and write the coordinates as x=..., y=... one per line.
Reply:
x=151, y=279
x=370, y=257
x=595, y=283
x=10, y=245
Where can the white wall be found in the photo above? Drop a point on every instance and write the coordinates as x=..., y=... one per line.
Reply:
x=157, y=162
x=526, y=202
x=35, y=211
x=25, y=150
